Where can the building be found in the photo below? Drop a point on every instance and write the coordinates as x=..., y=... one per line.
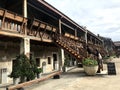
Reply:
x=108, y=45
x=35, y=27
x=117, y=47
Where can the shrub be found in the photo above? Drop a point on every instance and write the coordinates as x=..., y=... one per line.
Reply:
x=89, y=62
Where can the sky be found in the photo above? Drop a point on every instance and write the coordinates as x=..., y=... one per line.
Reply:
x=99, y=16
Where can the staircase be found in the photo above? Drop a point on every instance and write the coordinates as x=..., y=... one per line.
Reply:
x=74, y=47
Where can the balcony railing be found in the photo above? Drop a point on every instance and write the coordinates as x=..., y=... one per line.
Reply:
x=39, y=29
x=12, y=22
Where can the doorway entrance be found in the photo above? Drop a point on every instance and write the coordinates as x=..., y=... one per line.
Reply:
x=3, y=75
x=55, y=61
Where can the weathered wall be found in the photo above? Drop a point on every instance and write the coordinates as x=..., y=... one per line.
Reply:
x=8, y=51
x=43, y=52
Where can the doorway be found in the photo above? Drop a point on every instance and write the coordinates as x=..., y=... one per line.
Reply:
x=54, y=61
x=3, y=76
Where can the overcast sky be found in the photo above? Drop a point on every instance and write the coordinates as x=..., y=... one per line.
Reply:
x=99, y=16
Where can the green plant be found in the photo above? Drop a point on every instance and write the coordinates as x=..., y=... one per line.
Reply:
x=66, y=62
x=38, y=70
x=23, y=68
x=106, y=57
x=89, y=62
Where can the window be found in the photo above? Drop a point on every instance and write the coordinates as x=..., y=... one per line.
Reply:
x=38, y=62
x=49, y=60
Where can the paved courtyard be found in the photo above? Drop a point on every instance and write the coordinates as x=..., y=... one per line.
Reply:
x=76, y=79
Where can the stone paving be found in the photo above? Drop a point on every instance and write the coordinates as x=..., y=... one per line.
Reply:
x=76, y=79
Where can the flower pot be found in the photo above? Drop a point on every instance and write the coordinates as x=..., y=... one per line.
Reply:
x=65, y=69
x=16, y=81
x=90, y=70
x=39, y=75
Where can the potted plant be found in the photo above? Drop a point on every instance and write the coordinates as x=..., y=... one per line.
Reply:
x=38, y=72
x=66, y=63
x=90, y=66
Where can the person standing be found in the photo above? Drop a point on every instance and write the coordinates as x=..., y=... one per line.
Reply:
x=99, y=60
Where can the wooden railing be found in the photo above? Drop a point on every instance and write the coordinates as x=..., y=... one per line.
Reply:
x=12, y=22
x=100, y=48
x=74, y=47
x=37, y=28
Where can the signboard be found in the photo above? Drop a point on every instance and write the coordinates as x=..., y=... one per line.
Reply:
x=111, y=68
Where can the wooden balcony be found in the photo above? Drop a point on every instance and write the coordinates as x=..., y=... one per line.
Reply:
x=40, y=30
x=12, y=24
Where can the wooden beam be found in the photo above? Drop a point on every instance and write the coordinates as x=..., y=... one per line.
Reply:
x=38, y=29
x=33, y=81
x=10, y=33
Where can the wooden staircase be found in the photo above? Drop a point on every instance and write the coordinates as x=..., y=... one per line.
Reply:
x=74, y=47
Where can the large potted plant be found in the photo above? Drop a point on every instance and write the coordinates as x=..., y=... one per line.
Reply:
x=90, y=66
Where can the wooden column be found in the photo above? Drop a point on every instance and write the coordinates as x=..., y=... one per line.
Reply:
x=60, y=31
x=25, y=14
x=86, y=37
x=25, y=8
x=75, y=32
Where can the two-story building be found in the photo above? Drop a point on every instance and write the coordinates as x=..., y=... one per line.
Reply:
x=35, y=27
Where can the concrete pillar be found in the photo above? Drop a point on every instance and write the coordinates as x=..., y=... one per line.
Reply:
x=61, y=62
x=62, y=56
x=25, y=47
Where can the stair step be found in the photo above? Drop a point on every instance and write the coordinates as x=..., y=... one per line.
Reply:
x=57, y=41
x=73, y=52
x=64, y=46
x=78, y=56
x=69, y=50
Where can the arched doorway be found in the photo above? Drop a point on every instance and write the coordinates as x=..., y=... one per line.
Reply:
x=44, y=66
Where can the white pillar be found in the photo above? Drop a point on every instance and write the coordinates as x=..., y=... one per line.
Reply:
x=61, y=62
x=62, y=56
x=25, y=47
x=25, y=8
